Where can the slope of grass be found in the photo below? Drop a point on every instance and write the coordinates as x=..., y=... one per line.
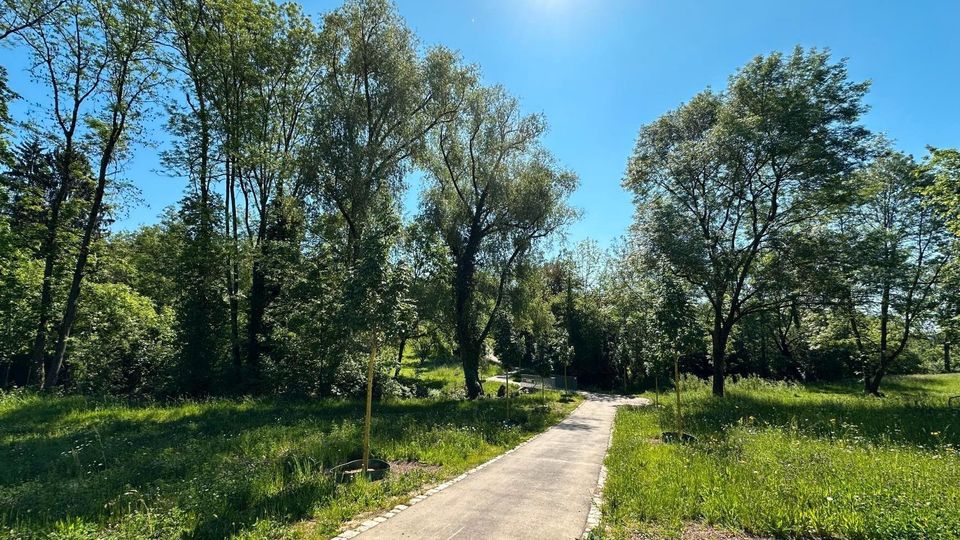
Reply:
x=444, y=376
x=74, y=467
x=792, y=462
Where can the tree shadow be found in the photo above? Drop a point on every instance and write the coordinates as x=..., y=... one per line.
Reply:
x=926, y=423
x=912, y=388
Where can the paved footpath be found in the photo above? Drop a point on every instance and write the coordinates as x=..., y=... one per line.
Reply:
x=541, y=490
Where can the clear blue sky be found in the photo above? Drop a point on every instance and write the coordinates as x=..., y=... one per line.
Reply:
x=599, y=69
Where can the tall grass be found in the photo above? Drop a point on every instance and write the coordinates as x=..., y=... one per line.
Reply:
x=75, y=467
x=793, y=462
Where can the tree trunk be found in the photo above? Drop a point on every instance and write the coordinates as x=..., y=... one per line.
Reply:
x=46, y=299
x=719, y=337
x=38, y=351
x=872, y=381
x=52, y=373
x=946, y=357
x=233, y=284
x=403, y=345
x=470, y=358
x=258, y=294
x=464, y=314
x=258, y=291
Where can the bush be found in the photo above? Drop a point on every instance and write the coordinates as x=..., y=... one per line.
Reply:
x=122, y=344
x=350, y=380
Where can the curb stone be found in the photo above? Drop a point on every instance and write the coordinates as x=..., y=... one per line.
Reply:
x=596, y=502
x=387, y=514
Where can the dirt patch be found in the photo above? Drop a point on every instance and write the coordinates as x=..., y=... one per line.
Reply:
x=405, y=467
x=697, y=531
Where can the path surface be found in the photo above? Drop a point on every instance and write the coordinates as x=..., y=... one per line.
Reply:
x=514, y=382
x=542, y=490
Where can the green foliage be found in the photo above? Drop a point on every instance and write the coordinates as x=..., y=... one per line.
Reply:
x=944, y=192
x=20, y=277
x=6, y=96
x=124, y=345
x=790, y=461
x=495, y=196
x=899, y=250
x=721, y=181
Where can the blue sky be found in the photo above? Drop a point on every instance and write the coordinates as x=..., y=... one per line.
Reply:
x=599, y=69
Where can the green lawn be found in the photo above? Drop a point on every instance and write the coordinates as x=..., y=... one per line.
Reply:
x=74, y=467
x=789, y=461
x=444, y=376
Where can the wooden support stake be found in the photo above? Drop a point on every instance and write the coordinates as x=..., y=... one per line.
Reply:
x=369, y=416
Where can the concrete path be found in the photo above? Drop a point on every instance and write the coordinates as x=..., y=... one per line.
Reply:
x=542, y=490
x=515, y=383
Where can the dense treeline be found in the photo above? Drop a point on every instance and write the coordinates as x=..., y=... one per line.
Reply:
x=774, y=234
x=287, y=261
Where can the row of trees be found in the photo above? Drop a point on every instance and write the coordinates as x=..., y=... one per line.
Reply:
x=774, y=234
x=287, y=259
x=790, y=225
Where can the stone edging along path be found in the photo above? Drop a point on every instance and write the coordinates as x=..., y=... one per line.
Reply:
x=596, y=503
x=383, y=516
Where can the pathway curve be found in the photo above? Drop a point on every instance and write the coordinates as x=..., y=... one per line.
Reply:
x=541, y=490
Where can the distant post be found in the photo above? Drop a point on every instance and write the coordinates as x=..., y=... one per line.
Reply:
x=369, y=415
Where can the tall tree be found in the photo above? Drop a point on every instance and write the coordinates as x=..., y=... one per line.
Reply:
x=29, y=192
x=126, y=33
x=496, y=193
x=721, y=179
x=193, y=44
x=900, y=246
x=943, y=193
x=286, y=55
x=380, y=99
x=69, y=60
x=379, y=102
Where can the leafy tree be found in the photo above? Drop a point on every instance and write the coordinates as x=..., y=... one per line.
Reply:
x=379, y=102
x=45, y=218
x=944, y=190
x=947, y=312
x=429, y=290
x=901, y=249
x=21, y=15
x=721, y=179
x=201, y=314
x=943, y=193
x=19, y=282
x=17, y=16
x=286, y=54
x=126, y=34
x=124, y=344
x=67, y=57
x=495, y=195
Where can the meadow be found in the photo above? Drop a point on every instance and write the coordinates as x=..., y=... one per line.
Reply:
x=790, y=461
x=81, y=467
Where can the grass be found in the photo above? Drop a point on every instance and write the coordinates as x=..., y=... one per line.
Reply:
x=444, y=377
x=789, y=461
x=76, y=467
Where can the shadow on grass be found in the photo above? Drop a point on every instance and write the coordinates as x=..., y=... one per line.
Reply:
x=72, y=457
x=911, y=387
x=928, y=422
